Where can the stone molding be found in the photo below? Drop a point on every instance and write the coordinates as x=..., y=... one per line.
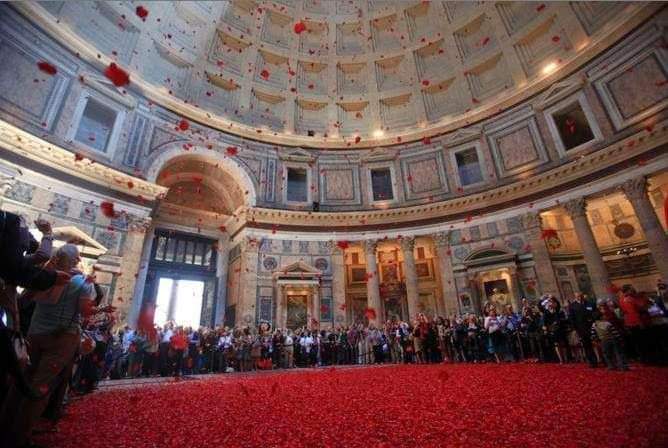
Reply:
x=34, y=148
x=630, y=147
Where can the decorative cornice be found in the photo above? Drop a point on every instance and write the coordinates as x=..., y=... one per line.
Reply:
x=44, y=153
x=631, y=148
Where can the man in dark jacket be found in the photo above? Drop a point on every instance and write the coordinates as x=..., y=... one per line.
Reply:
x=15, y=268
x=581, y=314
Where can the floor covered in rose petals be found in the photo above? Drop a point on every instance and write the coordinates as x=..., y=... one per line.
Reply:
x=527, y=405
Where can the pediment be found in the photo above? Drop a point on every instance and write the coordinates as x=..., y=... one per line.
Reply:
x=558, y=91
x=463, y=135
x=298, y=155
x=379, y=155
x=298, y=270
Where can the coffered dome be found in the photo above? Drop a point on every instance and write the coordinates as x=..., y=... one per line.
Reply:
x=351, y=73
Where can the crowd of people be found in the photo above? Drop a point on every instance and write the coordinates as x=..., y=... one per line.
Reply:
x=73, y=343
x=604, y=333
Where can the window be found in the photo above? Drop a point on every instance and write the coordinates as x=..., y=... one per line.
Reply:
x=186, y=249
x=573, y=126
x=297, y=188
x=381, y=184
x=468, y=167
x=96, y=125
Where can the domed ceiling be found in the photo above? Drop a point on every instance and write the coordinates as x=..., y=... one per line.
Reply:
x=336, y=74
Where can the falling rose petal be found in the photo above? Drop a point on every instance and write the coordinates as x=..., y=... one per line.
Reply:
x=107, y=209
x=425, y=82
x=556, y=39
x=231, y=151
x=183, y=125
x=358, y=139
x=117, y=75
x=426, y=141
x=264, y=74
x=78, y=157
x=141, y=12
x=485, y=41
x=131, y=184
x=47, y=68
x=370, y=313
x=300, y=27
x=540, y=7
x=222, y=228
x=343, y=245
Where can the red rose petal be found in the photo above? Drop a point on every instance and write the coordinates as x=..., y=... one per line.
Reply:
x=183, y=125
x=117, y=75
x=47, y=68
x=107, y=209
x=141, y=12
x=264, y=74
x=231, y=151
x=300, y=27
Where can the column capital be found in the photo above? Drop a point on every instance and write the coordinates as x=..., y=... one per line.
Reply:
x=137, y=224
x=407, y=244
x=441, y=239
x=249, y=243
x=333, y=248
x=533, y=220
x=576, y=207
x=370, y=246
x=635, y=188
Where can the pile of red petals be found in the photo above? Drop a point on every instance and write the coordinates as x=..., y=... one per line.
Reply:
x=460, y=405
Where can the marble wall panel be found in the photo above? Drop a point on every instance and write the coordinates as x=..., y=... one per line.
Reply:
x=517, y=146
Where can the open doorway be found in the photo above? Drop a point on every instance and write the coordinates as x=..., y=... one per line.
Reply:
x=179, y=300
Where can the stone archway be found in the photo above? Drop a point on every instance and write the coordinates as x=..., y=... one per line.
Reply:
x=492, y=274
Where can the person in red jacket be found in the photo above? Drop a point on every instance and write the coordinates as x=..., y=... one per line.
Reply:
x=178, y=344
x=636, y=320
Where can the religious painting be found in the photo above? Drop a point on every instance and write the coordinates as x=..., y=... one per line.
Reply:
x=358, y=309
x=390, y=273
x=356, y=274
x=423, y=269
x=567, y=291
x=296, y=311
x=583, y=279
x=497, y=291
x=427, y=305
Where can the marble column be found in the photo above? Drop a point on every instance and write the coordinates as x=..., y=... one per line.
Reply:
x=314, y=322
x=410, y=274
x=338, y=283
x=516, y=288
x=132, y=250
x=222, y=266
x=636, y=192
x=547, y=281
x=138, y=295
x=7, y=179
x=446, y=273
x=372, y=283
x=246, y=313
x=577, y=209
